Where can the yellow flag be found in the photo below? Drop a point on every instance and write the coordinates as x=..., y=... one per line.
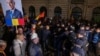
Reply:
x=15, y=22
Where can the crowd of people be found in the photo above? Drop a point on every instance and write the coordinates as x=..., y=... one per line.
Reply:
x=51, y=37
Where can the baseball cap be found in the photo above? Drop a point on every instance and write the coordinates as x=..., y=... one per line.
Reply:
x=34, y=35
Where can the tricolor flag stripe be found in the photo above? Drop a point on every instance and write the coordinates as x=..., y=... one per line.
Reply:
x=41, y=15
x=8, y=22
x=15, y=22
x=21, y=21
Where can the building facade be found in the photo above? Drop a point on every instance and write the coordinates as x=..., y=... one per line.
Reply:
x=87, y=9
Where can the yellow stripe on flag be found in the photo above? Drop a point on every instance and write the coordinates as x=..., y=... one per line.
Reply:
x=15, y=22
x=37, y=17
x=41, y=15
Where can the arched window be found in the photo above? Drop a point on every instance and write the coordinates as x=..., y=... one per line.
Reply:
x=32, y=11
x=76, y=13
x=96, y=14
x=43, y=9
x=57, y=11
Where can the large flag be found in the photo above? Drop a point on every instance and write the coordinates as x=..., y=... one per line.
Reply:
x=15, y=22
x=41, y=15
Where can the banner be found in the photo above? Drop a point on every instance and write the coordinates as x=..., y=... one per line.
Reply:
x=12, y=10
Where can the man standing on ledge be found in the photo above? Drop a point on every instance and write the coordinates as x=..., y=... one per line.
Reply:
x=13, y=12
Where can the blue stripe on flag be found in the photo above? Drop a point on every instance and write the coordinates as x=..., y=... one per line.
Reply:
x=8, y=22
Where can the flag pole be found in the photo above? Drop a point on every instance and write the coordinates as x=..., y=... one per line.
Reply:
x=16, y=30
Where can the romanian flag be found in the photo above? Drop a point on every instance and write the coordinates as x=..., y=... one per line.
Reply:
x=15, y=21
x=41, y=15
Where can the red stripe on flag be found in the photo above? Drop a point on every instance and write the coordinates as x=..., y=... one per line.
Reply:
x=21, y=21
x=42, y=14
